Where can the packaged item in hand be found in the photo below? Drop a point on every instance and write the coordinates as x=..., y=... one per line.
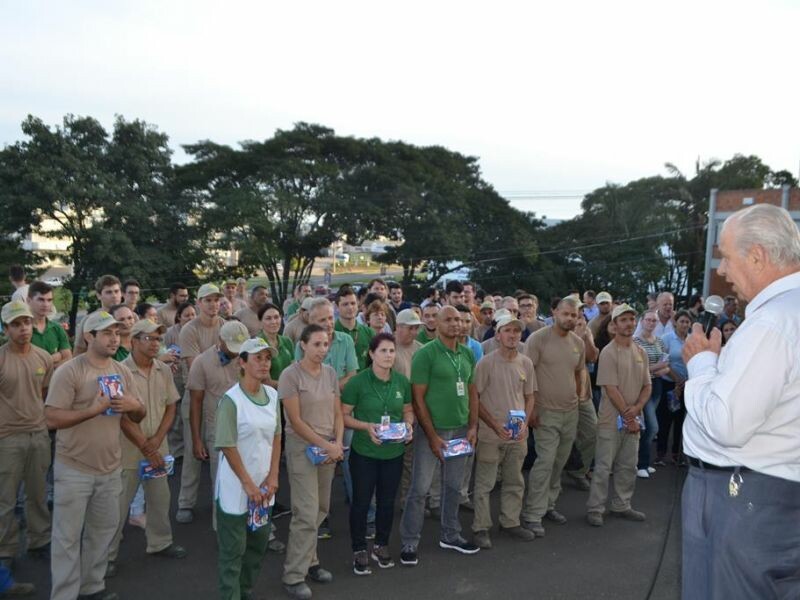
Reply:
x=392, y=433
x=673, y=402
x=111, y=387
x=259, y=513
x=317, y=455
x=174, y=349
x=146, y=471
x=621, y=422
x=516, y=422
x=458, y=447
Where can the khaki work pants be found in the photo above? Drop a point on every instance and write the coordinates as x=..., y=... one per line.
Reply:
x=616, y=452
x=507, y=458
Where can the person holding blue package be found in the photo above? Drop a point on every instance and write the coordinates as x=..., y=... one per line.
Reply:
x=248, y=438
x=376, y=398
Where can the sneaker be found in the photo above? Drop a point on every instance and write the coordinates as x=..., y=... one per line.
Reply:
x=361, y=563
x=520, y=533
x=595, y=519
x=370, y=535
x=19, y=590
x=320, y=575
x=482, y=539
x=630, y=514
x=555, y=516
x=408, y=556
x=580, y=482
x=534, y=526
x=643, y=474
x=184, y=515
x=459, y=545
x=139, y=521
x=298, y=591
x=172, y=551
x=381, y=555
x=276, y=546
x=651, y=470
x=324, y=531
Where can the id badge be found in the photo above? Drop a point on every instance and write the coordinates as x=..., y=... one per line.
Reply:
x=385, y=421
x=460, y=388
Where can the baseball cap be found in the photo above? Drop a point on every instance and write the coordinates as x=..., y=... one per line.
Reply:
x=621, y=310
x=208, y=289
x=146, y=326
x=15, y=310
x=508, y=319
x=99, y=320
x=307, y=303
x=603, y=297
x=256, y=345
x=230, y=282
x=234, y=334
x=502, y=314
x=487, y=305
x=408, y=317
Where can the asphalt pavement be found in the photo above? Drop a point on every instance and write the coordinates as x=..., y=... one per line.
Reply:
x=622, y=560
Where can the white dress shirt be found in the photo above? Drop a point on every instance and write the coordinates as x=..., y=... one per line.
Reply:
x=743, y=407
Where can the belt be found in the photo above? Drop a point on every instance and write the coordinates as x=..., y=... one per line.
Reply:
x=696, y=462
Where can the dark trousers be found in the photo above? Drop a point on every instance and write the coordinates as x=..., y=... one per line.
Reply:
x=378, y=477
x=666, y=419
x=746, y=546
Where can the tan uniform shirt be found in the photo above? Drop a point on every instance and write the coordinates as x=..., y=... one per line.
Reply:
x=195, y=337
x=166, y=314
x=317, y=397
x=94, y=445
x=594, y=324
x=628, y=369
x=22, y=377
x=403, y=356
x=493, y=344
x=502, y=385
x=294, y=329
x=157, y=391
x=209, y=375
x=250, y=319
x=556, y=360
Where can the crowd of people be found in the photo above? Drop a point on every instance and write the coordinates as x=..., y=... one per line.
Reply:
x=474, y=386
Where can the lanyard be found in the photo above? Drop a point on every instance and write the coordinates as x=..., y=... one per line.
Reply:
x=455, y=362
x=383, y=399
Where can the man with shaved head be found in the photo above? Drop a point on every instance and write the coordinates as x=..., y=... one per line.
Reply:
x=558, y=357
x=446, y=406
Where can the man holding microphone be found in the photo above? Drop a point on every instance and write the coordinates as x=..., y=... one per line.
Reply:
x=741, y=500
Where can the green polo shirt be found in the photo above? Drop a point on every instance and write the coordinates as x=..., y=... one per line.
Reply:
x=422, y=337
x=292, y=308
x=341, y=354
x=53, y=339
x=371, y=398
x=438, y=367
x=121, y=354
x=284, y=357
x=361, y=336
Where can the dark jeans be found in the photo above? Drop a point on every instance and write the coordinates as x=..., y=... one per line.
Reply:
x=746, y=546
x=650, y=414
x=667, y=419
x=381, y=478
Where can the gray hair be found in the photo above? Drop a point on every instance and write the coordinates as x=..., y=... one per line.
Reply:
x=770, y=227
x=321, y=301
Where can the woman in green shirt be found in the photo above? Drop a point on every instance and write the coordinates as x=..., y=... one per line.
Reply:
x=376, y=396
x=271, y=320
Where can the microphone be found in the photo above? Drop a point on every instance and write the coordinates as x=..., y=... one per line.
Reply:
x=713, y=309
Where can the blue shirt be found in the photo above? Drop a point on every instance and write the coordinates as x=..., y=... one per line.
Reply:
x=475, y=346
x=674, y=347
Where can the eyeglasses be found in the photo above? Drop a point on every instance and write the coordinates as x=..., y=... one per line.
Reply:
x=150, y=338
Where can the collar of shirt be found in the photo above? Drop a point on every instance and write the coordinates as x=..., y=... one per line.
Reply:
x=784, y=284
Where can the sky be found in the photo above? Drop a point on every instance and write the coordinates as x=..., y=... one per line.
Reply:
x=555, y=99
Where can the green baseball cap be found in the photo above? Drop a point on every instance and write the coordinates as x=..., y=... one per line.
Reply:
x=14, y=310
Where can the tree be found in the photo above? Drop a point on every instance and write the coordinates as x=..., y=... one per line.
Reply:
x=277, y=202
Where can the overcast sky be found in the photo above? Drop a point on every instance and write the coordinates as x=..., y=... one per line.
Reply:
x=555, y=99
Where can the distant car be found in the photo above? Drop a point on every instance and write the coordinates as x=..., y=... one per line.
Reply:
x=321, y=290
x=54, y=281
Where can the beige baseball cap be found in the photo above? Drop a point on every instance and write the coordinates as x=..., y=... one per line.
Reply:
x=234, y=334
x=208, y=289
x=408, y=317
x=507, y=320
x=603, y=297
x=621, y=310
x=14, y=310
x=146, y=326
x=256, y=345
x=308, y=302
x=488, y=305
x=99, y=320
